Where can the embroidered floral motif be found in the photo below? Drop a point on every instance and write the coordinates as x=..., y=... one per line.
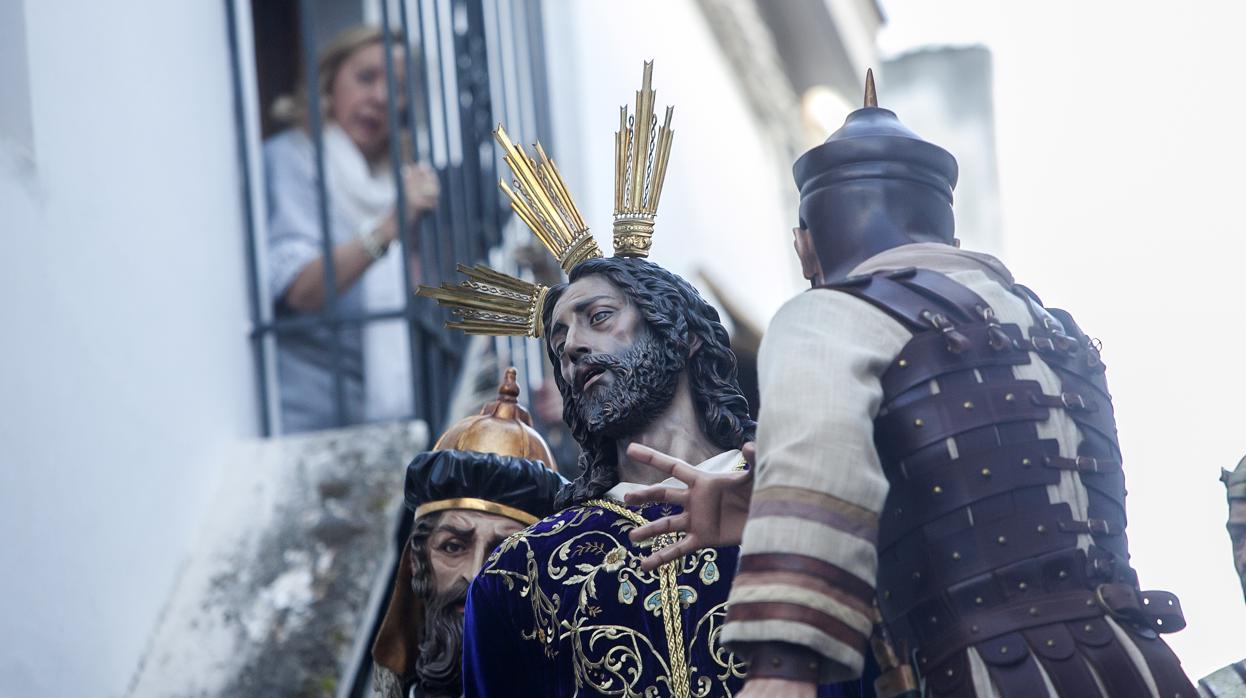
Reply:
x=590, y=557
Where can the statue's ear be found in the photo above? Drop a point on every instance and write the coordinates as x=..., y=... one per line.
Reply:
x=810, y=265
x=694, y=345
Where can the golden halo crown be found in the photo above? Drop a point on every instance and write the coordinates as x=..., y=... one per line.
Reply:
x=541, y=200
x=492, y=303
x=641, y=150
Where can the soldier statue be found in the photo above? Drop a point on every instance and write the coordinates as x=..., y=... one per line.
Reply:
x=936, y=450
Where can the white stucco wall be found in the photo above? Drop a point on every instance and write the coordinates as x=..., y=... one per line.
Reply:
x=126, y=373
x=727, y=203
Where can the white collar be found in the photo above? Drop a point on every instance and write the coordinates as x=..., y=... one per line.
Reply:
x=721, y=463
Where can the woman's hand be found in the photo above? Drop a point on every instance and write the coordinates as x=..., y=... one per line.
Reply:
x=421, y=188
x=715, y=505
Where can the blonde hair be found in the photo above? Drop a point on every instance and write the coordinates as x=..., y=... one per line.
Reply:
x=291, y=110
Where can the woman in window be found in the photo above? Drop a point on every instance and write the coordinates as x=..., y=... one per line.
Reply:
x=363, y=224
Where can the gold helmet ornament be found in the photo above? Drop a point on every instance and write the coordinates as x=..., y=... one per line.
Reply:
x=489, y=302
x=503, y=427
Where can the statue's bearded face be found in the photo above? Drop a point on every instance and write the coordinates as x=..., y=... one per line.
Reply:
x=617, y=376
x=448, y=554
x=1237, y=534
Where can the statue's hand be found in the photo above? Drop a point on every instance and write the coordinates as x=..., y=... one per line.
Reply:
x=715, y=505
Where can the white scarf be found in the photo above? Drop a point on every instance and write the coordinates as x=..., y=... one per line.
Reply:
x=361, y=198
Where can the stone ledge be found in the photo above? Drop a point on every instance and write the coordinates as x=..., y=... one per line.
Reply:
x=286, y=572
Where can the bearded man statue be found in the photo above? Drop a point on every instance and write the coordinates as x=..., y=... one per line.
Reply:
x=568, y=607
x=487, y=477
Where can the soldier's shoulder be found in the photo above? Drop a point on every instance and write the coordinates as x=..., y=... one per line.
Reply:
x=1227, y=682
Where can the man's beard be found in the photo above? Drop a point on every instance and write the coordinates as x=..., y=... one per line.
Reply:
x=643, y=385
x=439, y=667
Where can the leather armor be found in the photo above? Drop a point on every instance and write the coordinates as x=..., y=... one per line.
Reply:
x=971, y=551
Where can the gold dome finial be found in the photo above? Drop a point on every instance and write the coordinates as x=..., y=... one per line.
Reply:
x=871, y=94
x=503, y=426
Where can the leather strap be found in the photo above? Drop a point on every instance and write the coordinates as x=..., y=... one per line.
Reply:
x=955, y=297
x=1082, y=464
x=782, y=660
x=926, y=357
x=1157, y=610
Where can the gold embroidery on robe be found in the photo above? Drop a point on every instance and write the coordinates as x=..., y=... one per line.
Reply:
x=609, y=658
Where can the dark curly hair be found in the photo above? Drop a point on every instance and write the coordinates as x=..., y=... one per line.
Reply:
x=674, y=313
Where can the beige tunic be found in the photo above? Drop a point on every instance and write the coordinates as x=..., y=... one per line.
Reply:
x=819, y=370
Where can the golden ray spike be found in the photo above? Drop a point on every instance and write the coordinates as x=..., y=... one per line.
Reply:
x=490, y=302
x=530, y=218
x=620, y=157
x=529, y=184
x=641, y=151
x=659, y=171
x=551, y=174
x=871, y=94
x=539, y=197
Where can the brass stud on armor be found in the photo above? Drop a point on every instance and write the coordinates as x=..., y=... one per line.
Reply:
x=1041, y=528
x=986, y=472
x=1026, y=462
x=951, y=673
x=978, y=600
x=1087, y=628
x=1009, y=397
x=955, y=555
x=1063, y=574
x=1003, y=650
x=917, y=576
x=937, y=489
x=886, y=593
x=1050, y=643
x=973, y=628
x=1033, y=610
x=1022, y=586
x=968, y=405
x=919, y=423
x=903, y=363
x=1002, y=540
x=934, y=620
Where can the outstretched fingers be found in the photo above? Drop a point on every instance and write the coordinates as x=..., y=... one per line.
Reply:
x=686, y=546
x=658, y=494
x=671, y=466
x=666, y=524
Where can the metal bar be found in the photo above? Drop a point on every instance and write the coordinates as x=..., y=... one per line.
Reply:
x=418, y=317
x=539, y=72
x=396, y=163
x=436, y=265
x=307, y=19
x=535, y=360
x=244, y=163
x=472, y=101
x=443, y=24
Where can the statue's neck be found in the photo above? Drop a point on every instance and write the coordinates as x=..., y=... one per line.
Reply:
x=676, y=432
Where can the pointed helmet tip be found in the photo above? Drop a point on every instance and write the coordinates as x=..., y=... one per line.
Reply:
x=871, y=94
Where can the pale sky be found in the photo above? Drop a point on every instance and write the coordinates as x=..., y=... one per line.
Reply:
x=1121, y=145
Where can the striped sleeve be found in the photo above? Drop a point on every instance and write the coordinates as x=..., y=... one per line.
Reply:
x=808, y=558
